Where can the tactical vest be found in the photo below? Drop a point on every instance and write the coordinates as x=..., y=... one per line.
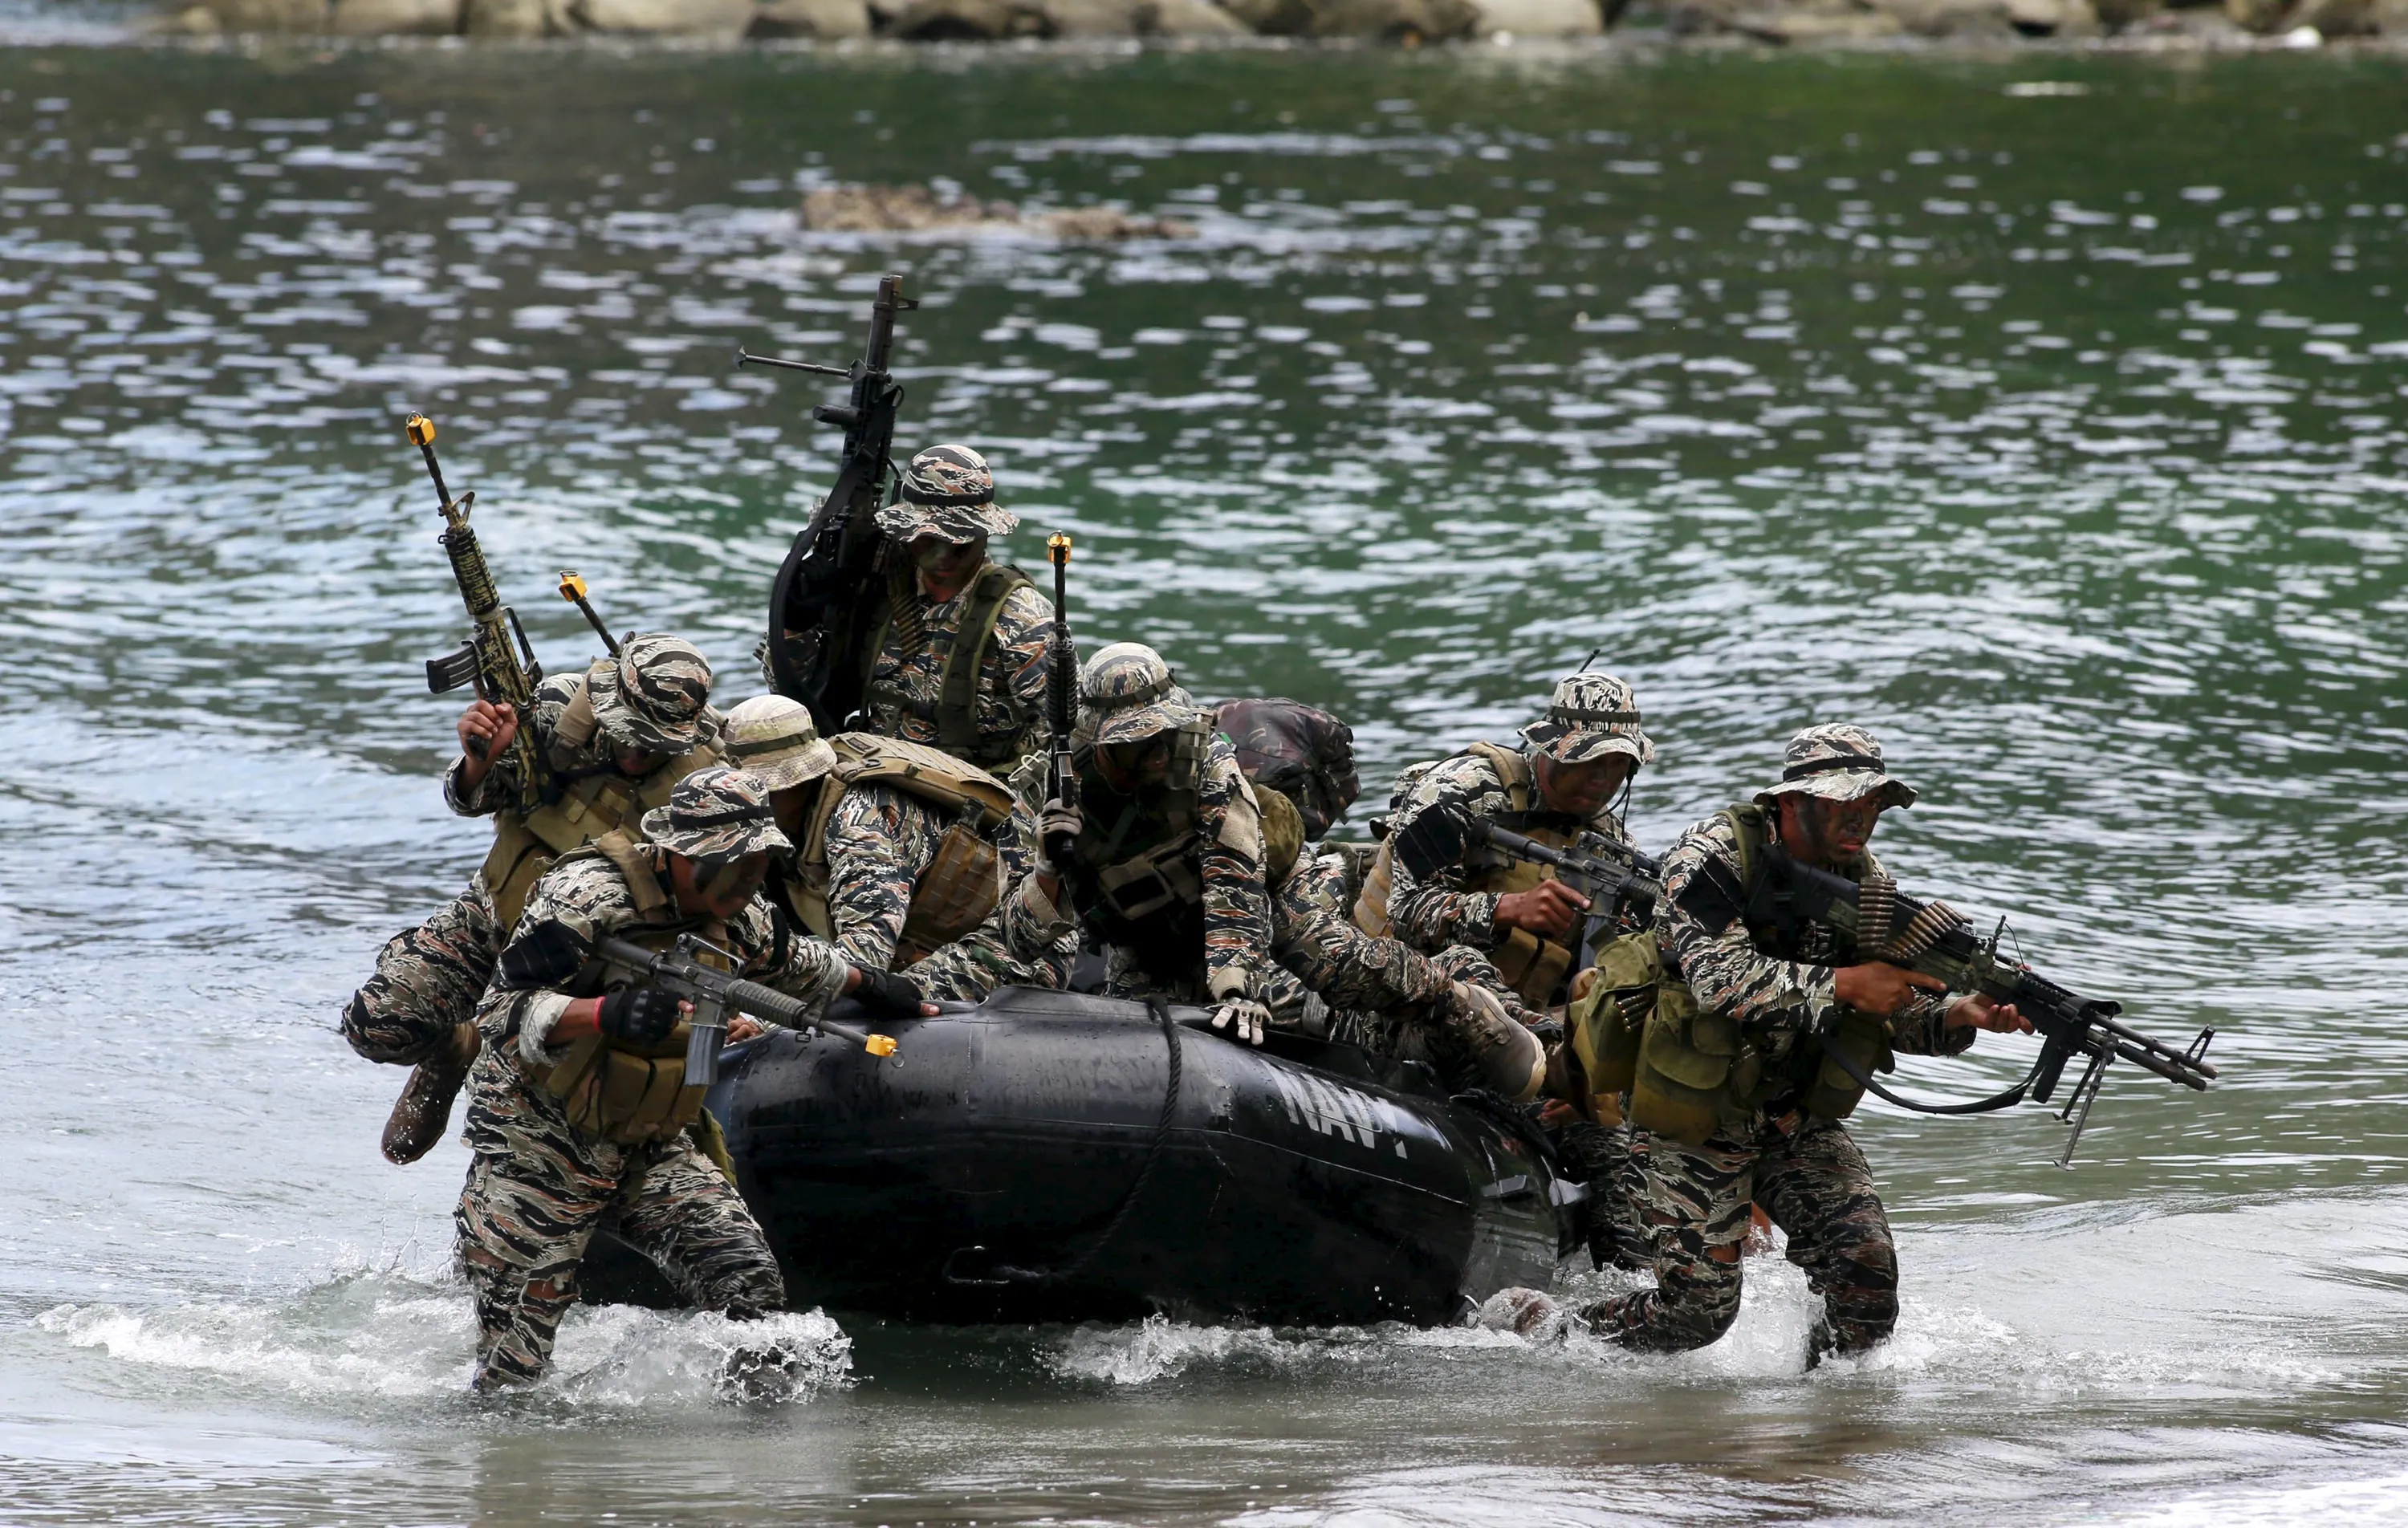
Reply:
x=962, y=883
x=620, y=1091
x=1532, y=966
x=1136, y=871
x=588, y=807
x=954, y=715
x=1690, y=1069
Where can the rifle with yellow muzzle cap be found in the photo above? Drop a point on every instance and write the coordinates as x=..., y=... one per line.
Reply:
x=504, y=674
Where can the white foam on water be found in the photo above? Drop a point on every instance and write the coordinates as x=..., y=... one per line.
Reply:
x=390, y=1336
x=2334, y=1504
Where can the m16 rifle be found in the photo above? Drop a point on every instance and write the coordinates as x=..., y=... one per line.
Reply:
x=1061, y=688
x=502, y=674
x=1798, y=912
x=825, y=593
x=1622, y=885
x=714, y=995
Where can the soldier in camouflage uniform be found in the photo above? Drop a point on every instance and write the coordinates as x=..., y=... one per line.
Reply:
x=1778, y=1141
x=621, y=732
x=1563, y=783
x=939, y=587
x=1163, y=857
x=880, y=846
x=556, y=1153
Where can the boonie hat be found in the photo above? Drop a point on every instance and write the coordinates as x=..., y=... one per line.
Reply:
x=949, y=493
x=717, y=814
x=1837, y=763
x=772, y=736
x=1127, y=693
x=1591, y=716
x=653, y=695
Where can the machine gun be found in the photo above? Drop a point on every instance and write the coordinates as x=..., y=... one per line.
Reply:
x=822, y=601
x=1061, y=686
x=714, y=993
x=503, y=676
x=1798, y=912
x=1622, y=885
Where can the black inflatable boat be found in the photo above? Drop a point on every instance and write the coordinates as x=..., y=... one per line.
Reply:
x=1051, y=1156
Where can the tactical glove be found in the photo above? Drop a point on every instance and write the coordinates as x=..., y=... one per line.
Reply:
x=1244, y=1017
x=640, y=1015
x=884, y=993
x=1058, y=829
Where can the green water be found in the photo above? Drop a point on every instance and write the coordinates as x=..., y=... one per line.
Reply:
x=2056, y=435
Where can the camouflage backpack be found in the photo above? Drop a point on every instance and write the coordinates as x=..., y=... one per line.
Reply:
x=1304, y=754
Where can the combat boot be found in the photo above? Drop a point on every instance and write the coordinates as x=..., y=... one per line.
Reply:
x=1508, y=1057
x=424, y=1111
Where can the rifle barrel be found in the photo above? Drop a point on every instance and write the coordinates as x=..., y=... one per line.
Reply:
x=745, y=358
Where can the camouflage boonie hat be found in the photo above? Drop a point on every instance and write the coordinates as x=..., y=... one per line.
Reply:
x=1837, y=763
x=947, y=491
x=717, y=814
x=1127, y=693
x=1592, y=715
x=654, y=695
x=772, y=737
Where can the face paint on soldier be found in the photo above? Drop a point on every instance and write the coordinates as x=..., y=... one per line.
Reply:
x=789, y=806
x=1829, y=833
x=945, y=567
x=716, y=889
x=1583, y=788
x=634, y=763
x=1126, y=766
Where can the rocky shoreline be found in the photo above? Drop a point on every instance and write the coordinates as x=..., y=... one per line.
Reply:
x=2218, y=23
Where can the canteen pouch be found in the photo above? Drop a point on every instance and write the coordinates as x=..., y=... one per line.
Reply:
x=1862, y=1039
x=1680, y=1084
x=624, y=1092
x=1609, y=1021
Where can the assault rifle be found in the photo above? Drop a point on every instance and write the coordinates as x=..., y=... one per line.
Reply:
x=822, y=600
x=1798, y=912
x=503, y=676
x=713, y=993
x=1061, y=686
x=1622, y=885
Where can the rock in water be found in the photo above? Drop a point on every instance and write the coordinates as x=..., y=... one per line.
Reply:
x=823, y=19
x=916, y=210
x=970, y=20
x=396, y=17
x=723, y=18
x=1140, y=18
x=511, y=19
x=1540, y=18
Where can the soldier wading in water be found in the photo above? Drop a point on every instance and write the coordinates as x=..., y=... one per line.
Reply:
x=577, y=1114
x=612, y=740
x=1735, y=1096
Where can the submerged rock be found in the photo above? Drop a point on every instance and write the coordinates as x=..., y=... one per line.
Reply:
x=917, y=209
x=1540, y=18
x=823, y=19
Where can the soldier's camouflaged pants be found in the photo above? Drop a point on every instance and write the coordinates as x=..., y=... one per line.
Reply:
x=1599, y=1157
x=524, y=1220
x=427, y=982
x=1694, y=1202
x=1421, y=1032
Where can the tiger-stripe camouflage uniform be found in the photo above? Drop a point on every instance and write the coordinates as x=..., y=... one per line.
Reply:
x=538, y=1185
x=1592, y=715
x=880, y=843
x=1391, y=1000
x=947, y=495
x=417, y=1007
x=1803, y=1170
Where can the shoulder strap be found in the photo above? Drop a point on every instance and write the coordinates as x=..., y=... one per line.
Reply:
x=957, y=692
x=1513, y=766
x=644, y=888
x=577, y=723
x=930, y=774
x=1751, y=825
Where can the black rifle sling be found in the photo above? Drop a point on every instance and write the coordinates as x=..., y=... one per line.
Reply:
x=1997, y=1101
